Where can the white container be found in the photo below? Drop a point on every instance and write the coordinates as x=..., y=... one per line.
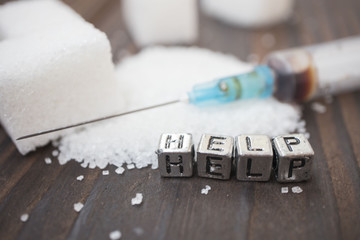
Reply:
x=249, y=13
x=161, y=21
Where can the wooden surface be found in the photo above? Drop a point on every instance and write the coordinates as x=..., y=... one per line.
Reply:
x=329, y=207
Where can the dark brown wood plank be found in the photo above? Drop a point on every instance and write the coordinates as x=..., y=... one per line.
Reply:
x=56, y=222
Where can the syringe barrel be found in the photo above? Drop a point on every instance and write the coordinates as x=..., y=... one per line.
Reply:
x=308, y=72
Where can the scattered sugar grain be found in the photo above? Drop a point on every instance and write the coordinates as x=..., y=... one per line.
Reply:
x=206, y=190
x=80, y=178
x=24, y=217
x=318, y=107
x=284, y=190
x=130, y=166
x=55, y=153
x=115, y=235
x=138, y=231
x=48, y=160
x=105, y=172
x=120, y=170
x=78, y=206
x=132, y=140
x=296, y=189
x=137, y=199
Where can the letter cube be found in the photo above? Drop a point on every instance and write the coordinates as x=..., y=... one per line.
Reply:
x=254, y=158
x=294, y=157
x=176, y=155
x=214, y=156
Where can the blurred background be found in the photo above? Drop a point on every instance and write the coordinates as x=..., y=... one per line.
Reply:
x=248, y=29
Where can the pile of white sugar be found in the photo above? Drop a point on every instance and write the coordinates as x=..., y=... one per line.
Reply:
x=161, y=74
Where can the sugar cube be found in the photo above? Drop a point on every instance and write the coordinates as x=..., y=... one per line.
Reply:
x=56, y=70
x=161, y=21
x=249, y=13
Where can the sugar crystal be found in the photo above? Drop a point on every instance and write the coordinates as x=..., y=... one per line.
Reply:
x=284, y=190
x=115, y=235
x=55, y=153
x=137, y=199
x=78, y=206
x=206, y=190
x=120, y=170
x=80, y=178
x=130, y=166
x=296, y=189
x=48, y=160
x=318, y=107
x=24, y=217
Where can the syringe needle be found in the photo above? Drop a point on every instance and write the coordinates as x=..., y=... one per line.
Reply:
x=100, y=119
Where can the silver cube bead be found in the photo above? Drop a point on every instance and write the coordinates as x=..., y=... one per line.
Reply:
x=176, y=155
x=254, y=158
x=214, y=156
x=294, y=157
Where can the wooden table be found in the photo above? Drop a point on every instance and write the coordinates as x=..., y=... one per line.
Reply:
x=328, y=208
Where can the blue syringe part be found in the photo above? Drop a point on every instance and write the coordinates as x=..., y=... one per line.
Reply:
x=258, y=83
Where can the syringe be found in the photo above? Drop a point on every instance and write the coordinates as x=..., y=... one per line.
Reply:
x=294, y=75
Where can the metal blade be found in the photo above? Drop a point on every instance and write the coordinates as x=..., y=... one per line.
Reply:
x=98, y=119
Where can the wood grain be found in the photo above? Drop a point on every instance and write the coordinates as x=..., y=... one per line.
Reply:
x=328, y=208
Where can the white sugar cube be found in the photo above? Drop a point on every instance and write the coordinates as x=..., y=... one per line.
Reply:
x=55, y=70
x=161, y=21
x=249, y=13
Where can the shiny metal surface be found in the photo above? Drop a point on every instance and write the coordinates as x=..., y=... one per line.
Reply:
x=176, y=155
x=254, y=158
x=294, y=157
x=214, y=156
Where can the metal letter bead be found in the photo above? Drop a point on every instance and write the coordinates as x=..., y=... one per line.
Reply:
x=176, y=155
x=214, y=156
x=294, y=156
x=254, y=158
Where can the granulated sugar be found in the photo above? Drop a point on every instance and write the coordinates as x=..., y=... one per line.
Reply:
x=162, y=74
